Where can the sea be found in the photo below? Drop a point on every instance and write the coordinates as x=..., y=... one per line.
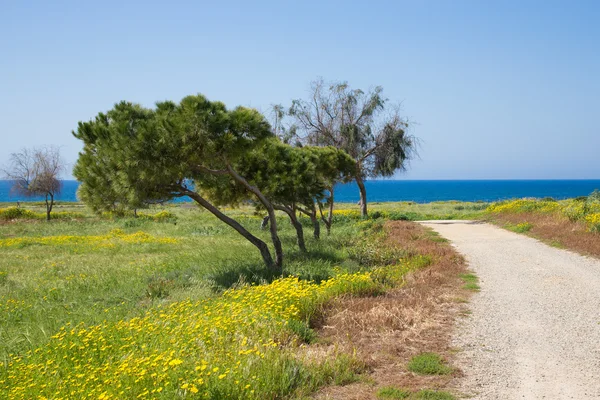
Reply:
x=424, y=191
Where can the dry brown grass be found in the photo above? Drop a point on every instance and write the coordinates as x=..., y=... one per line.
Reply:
x=555, y=230
x=386, y=331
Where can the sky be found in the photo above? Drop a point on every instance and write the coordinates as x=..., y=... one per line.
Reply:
x=496, y=90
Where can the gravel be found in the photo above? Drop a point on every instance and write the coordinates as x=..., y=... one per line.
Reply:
x=534, y=330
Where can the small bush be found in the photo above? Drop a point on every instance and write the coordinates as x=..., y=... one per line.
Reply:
x=16, y=213
x=376, y=215
x=428, y=364
x=390, y=392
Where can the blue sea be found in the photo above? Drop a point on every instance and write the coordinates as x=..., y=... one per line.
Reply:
x=418, y=191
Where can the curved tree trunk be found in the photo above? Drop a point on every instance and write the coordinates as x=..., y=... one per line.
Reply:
x=363, y=196
x=329, y=220
x=270, y=210
x=311, y=212
x=297, y=225
x=260, y=245
x=265, y=222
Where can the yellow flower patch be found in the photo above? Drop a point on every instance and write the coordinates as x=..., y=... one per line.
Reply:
x=109, y=240
x=232, y=346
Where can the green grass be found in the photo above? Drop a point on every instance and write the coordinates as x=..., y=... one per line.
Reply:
x=411, y=211
x=428, y=364
x=74, y=276
x=390, y=392
x=519, y=228
x=43, y=287
x=433, y=395
x=471, y=282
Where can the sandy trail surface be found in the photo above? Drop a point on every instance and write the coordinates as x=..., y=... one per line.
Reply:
x=534, y=331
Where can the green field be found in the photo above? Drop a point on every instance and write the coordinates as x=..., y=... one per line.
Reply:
x=150, y=303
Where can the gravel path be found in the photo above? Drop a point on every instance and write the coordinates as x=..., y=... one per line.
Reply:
x=534, y=331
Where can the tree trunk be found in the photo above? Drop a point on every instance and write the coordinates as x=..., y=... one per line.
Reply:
x=312, y=214
x=316, y=224
x=330, y=216
x=262, y=246
x=269, y=207
x=297, y=225
x=363, y=196
x=49, y=205
x=265, y=222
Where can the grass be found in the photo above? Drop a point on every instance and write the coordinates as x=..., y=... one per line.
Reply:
x=522, y=227
x=411, y=211
x=433, y=395
x=177, y=306
x=470, y=281
x=390, y=392
x=428, y=364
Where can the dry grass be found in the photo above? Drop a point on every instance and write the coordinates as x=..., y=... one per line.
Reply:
x=555, y=230
x=386, y=331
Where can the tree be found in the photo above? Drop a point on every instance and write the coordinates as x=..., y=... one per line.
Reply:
x=36, y=172
x=294, y=178
x=154, y=154
x=362, y=123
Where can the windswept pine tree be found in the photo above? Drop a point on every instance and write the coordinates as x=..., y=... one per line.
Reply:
x=134, y=156
x=147, y=155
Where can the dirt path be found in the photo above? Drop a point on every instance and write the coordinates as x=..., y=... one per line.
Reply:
x=534, y=331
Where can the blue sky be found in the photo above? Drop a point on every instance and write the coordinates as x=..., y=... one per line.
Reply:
x=498, y=90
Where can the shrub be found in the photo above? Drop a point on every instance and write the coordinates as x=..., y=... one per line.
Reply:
x=16, y=213
x=593, y=221
x=22, y=213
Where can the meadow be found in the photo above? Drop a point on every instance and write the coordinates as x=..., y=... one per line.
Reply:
x=175, y=304
x=573, y=223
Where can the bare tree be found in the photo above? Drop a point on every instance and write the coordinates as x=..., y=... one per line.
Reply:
x=364, y=124
x=36, y=172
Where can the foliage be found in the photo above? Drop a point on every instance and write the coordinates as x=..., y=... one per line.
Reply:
x=134, y=156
